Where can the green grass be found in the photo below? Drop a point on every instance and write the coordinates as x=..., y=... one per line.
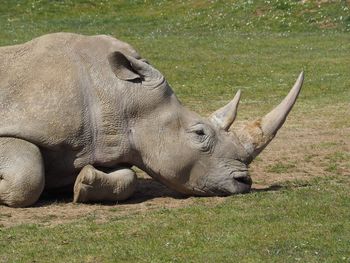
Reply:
x=280, y=167
x=208, y=50
x=307, y=223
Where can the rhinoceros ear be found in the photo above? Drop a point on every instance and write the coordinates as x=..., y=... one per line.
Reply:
x=121, y=67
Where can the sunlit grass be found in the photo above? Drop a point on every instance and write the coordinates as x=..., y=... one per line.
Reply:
x=297, y=223
x=208, y=50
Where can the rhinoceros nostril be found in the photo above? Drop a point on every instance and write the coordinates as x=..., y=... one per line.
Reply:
x=244, y=180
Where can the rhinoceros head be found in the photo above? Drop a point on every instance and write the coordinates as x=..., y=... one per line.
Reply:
x=189, y=153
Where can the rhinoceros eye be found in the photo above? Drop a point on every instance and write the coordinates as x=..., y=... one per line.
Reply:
x=200, y=132
x=201, y=137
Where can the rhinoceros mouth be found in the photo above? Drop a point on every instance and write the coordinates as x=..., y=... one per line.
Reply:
x=234, y=185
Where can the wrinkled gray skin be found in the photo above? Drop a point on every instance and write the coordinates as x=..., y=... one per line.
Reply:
x=81, y=110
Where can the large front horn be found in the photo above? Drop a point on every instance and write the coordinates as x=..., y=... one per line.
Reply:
x=256, y=136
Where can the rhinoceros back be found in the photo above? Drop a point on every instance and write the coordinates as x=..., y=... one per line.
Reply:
x=40, y=94
x=55, y=92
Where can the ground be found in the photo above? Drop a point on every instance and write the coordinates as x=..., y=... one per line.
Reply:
x=310, y=145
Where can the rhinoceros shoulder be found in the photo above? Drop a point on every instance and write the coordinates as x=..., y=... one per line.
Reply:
x=57, y=90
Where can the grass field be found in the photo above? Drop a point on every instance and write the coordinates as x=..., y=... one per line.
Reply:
x=300, y=208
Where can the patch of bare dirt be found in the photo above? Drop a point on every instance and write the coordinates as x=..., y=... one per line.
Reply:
x=58, y=209
x=313, y=142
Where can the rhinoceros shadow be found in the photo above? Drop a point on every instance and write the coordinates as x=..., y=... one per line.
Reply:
x=147, y=189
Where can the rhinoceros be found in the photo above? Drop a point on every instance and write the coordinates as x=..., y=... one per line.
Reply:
x=79, y=112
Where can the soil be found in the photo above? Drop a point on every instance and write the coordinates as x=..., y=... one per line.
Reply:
x=312, y=143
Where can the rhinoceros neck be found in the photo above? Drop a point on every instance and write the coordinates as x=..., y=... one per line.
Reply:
x=122, y=116
x=107, y=125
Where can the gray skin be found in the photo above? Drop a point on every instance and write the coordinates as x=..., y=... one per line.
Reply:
x=82, y=110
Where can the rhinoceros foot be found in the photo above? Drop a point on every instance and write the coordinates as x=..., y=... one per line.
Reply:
x=93, y=185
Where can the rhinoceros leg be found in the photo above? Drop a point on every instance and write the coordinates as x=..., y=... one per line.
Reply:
x=93, y=185
x=21, y=172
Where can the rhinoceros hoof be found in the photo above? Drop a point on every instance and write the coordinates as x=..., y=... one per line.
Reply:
x=83, y=184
